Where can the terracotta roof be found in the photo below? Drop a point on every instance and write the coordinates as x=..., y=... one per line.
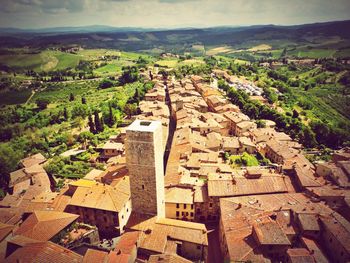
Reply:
x=5, y=230
x=32, y=160
x=316, y=251
x=43, y=252
x=308, y=222
x=125, y=249
x=339, y=227
x=103, y=197
x=299, y=255
x=268, y=232
x=93, y=174
x=179, y=195
x=155, y=232
x=167, y=258
x=43, y=225
x=93, y=255
x=243, y=186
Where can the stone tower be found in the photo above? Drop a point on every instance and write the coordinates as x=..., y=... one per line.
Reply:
x=144, y=158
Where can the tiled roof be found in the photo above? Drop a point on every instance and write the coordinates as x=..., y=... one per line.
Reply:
x=167, y=258
x=43, y=225
x=179, y=195
x=43, y=252
x=93, y=256
x=103, y=197
x=243, y=186
x=5, y=230
x=32, y=160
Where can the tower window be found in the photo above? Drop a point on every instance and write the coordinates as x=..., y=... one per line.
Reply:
x=143, y=187
x=177, y=205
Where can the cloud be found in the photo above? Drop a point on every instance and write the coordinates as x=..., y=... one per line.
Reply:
x=168, y=13
x=42, y=6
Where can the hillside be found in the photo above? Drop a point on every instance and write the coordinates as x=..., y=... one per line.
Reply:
x=331, y=39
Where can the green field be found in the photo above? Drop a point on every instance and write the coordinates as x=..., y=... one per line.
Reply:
x=44, y=61
x=312, y=53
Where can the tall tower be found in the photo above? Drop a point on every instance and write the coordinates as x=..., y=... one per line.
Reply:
x=144, y=158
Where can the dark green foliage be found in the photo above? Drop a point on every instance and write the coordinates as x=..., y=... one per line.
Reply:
x=9, y=159
x=98, y=125
x=71, y=97
x=106, y=83
x=129, y=75
x=42, y=103
x=91, y=124
x=65, y=113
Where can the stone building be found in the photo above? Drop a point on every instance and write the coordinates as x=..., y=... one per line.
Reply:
x=144, y=158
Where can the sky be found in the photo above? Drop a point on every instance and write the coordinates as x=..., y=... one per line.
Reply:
x=168, y=13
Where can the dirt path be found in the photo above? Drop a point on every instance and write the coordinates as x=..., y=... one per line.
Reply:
x=33, y=92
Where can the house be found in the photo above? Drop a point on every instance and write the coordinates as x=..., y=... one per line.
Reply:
x=231, y=145
x=163, y=235
x=45, y=225
x=262, y=228
x=22, y=249
x=111, y=149
x=246, y=145
x=179, y=203
x=102, y=205
x=33, y=160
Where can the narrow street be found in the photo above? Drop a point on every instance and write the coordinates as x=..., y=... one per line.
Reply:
x=172, y=127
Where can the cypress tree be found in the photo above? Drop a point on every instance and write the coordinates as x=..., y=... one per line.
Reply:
x=97, y=122
x=102, y=124
x=71, y=97
x=65, y=113
x=92, y=125
x=111, y=117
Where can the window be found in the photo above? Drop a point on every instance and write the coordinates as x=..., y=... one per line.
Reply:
x=191, y=206
x=122, y=216
x=177, y=213
x=192, y=214
x=127, y=210
x=177, y=205
x=143, y=187
x=210, y=204
x=198, y=247
x=185, y=206
x=183, y=213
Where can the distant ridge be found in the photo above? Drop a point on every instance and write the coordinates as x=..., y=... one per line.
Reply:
x=104, y=28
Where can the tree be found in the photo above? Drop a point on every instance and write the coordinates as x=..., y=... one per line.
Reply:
x=42, y=103
x=91, y=125
x=65, y=113
x=97, y=120
x=111, y=117
x=9, y=159
x=102, y=124
x=105, y=84
x=308, y=137
x=71, y=97
x=84, y=137
x=129, y=75
x=130, y=109
x=295, y=114
x=83, y=100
